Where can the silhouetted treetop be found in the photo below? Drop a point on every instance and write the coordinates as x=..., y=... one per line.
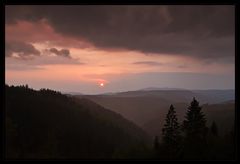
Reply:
x=195, y=121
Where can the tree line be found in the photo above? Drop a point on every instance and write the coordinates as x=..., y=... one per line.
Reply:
x=192, y=139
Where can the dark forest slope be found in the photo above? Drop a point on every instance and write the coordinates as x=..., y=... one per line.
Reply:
x=47, y=124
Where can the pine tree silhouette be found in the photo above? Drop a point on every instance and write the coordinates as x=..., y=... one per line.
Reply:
x=195, y=123
x=171, y=133
x=171, y=130
x=195, y=130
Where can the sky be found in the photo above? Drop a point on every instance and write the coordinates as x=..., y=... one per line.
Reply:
x=97, y=49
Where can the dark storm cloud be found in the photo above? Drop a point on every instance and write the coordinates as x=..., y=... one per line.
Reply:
x=62, y=52
x=23, y=50
x=205, y=32
x=149, y=63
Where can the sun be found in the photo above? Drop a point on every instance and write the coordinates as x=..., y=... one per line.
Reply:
x=101, y=84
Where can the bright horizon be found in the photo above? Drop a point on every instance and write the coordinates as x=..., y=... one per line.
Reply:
x=119, y=91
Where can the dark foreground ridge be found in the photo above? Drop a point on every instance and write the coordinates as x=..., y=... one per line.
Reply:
x=48, y=125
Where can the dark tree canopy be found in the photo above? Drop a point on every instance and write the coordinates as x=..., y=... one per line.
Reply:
x=194, y=124
x=171, y=135
x=171, y=130
x=195, y=132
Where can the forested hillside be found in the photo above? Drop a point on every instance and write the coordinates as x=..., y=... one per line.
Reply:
x=48, y=125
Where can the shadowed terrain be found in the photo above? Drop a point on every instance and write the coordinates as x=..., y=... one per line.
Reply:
x=48, y=125
x=148, y=108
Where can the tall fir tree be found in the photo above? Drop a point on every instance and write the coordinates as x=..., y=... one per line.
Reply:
x=194, y=125
x=171, y=130
x=195, y=131
x=171, y=134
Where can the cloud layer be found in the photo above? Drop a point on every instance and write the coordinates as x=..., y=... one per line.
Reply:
x=204, y=32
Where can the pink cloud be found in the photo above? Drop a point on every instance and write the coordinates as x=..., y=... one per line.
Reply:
x=41, y=32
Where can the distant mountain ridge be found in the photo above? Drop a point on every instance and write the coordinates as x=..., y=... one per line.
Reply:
x=210, y=96
x=179, y=95
x=164, y=88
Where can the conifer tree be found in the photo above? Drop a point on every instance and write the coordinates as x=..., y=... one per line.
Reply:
x=171, y=135
x=171, y=130
x=195, y=132
x=195, y=124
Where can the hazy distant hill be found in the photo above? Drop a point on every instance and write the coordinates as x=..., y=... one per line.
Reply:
x=136, y=109
x=181, y=95
x=160, y=89
x=217, y=96
x=47, y=124
x=72, y=93
x=147, y=108
x=222, y=114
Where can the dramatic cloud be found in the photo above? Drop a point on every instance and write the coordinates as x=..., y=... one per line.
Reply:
x=62, y=52
x=205, y=32
x=70, y=46
x=20, y=50
x=149, y=63
x=40, y=32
